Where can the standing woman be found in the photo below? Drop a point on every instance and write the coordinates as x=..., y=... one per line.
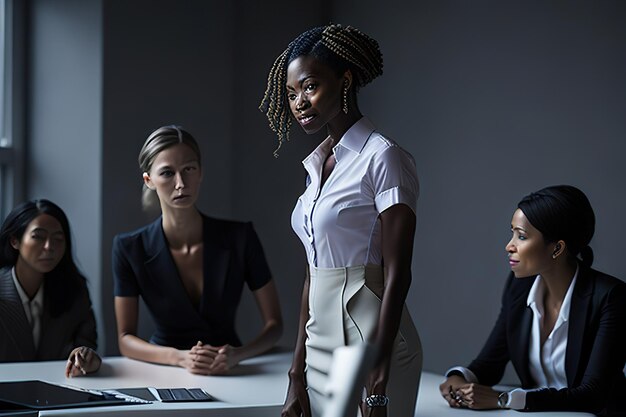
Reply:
x=356, y=220
x=45, y=309
x=189, y=269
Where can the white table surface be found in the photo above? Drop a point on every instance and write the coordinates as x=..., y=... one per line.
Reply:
x=256, y=388
x=258, y=385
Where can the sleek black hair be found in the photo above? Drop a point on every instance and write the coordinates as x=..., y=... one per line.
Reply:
x=562, y=212
x=66, y=271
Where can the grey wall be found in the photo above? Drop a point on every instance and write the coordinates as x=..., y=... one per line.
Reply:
x=266, y=188
x=164, y=62
x=496, y=99
x=63, y=118
x=493, y=98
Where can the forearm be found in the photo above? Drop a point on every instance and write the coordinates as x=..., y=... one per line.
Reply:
x=396, y=288
x=299, y=354
x=134, y=347
x=266, y=339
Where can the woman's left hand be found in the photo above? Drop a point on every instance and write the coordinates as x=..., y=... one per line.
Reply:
x=376, y=384
x=225, y=360
x=82, y=361
x=478, y=397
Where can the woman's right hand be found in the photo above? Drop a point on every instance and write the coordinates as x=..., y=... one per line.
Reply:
x=297, y=401
x=449, y=388
x=199, y=359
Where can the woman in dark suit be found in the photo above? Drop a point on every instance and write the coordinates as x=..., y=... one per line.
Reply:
x=562, y=324
x=189, y=269
x=45, y=309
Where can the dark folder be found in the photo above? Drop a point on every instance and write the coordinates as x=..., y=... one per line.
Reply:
x=41, y=395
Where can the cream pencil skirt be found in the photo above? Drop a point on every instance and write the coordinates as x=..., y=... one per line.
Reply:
x=343, y=310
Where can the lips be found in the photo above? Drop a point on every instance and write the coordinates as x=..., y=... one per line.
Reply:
x=305, y=119
x=513, y=262
x=180, y=197
x=46, y=260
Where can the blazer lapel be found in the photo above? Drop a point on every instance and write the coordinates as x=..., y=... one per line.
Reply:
x=161, y=267
x=14, y=319
x=52, y=334
x=520, y=338
x=581, y=297
x=215, y=264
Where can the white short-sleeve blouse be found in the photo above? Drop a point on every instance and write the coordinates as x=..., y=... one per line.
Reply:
x=339, y=225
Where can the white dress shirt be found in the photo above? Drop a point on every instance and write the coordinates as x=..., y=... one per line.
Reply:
x=339, y=224
x=546, y=363
x=33, y=308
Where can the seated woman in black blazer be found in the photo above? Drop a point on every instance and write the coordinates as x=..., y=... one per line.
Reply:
x=562, y=324
x=189, y=269
x=45, y=309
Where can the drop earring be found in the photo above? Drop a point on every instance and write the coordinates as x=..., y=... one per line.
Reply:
x=345, y=98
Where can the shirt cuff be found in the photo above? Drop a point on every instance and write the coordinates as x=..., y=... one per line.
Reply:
x=467, y=374
x=393, y=196
x=517, y=399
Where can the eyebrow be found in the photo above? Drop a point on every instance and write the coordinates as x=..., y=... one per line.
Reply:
x=190, y=161
x=518, y=228
x=302, y=80
x=41, y=229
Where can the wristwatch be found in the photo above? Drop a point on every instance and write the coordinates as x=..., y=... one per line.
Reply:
x=377, y=400
x=503, y=399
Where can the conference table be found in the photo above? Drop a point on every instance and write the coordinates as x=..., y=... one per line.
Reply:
x=255, y=388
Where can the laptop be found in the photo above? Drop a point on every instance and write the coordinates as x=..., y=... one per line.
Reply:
x=40, y=395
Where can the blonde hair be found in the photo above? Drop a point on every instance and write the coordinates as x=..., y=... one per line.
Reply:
x=159, y=140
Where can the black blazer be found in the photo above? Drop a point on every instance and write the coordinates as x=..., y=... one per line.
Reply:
x=595, y=353
x=59, y=334
x=232, y=254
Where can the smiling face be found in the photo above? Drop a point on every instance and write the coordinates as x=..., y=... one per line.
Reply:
x=314, y=93
x=42, y=245
x=175, y=175
x=529, y=254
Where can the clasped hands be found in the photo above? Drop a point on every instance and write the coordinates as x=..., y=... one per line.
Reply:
x=462, y=394
x=204, y=359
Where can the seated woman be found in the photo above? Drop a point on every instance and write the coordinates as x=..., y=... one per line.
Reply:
x=189, y=269
x=562, y=324
x=45, y=309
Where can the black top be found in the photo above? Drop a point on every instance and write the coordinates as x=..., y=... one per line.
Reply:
x=232, y=254
x=595, y=353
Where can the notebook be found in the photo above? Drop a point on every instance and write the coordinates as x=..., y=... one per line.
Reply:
x=40, y=395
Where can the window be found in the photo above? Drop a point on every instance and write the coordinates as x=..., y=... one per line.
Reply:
x=11, y=105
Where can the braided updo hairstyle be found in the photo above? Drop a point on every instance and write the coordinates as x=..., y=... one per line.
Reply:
x=340, y=47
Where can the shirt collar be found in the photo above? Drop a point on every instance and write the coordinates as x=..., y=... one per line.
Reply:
x=354, y=140
x=535, y=296
x=567, y=301
x=38, y=298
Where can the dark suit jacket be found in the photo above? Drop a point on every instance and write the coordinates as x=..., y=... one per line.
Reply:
x=232, y=254
x=595, y=353
x=59, y=335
